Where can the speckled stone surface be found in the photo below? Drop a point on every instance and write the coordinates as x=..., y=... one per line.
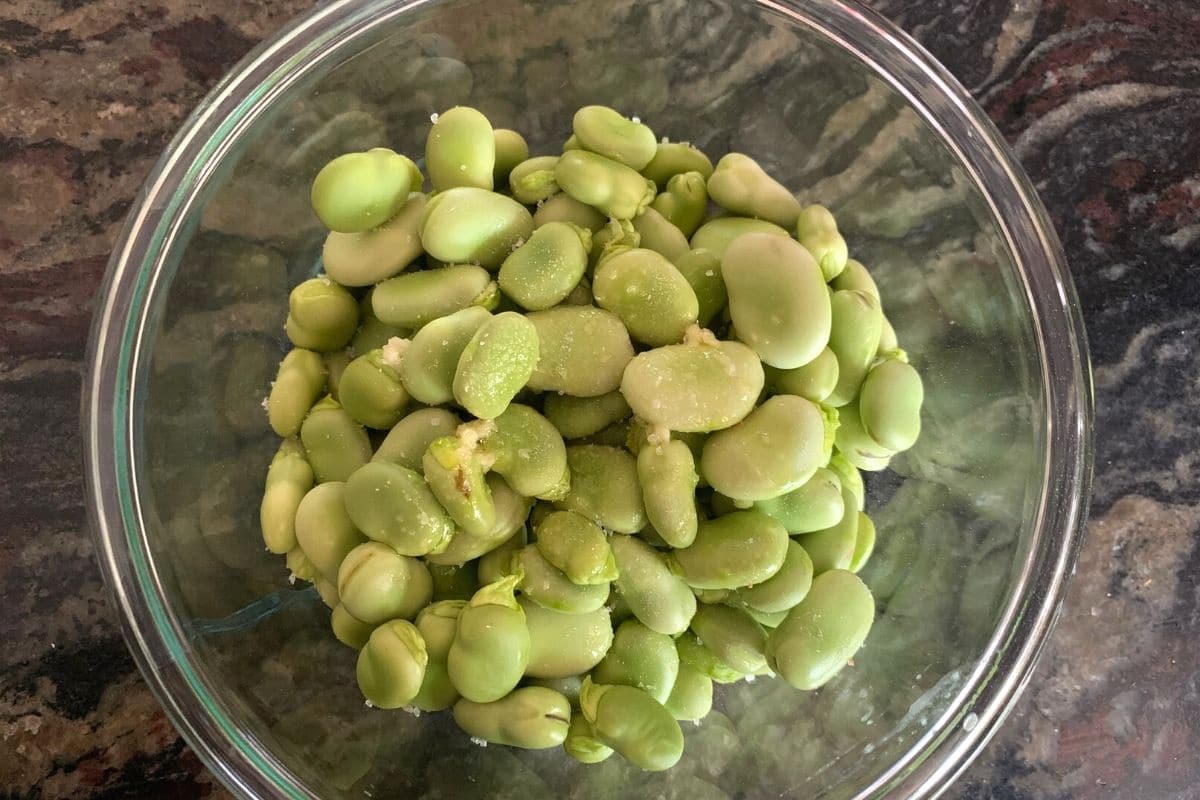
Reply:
x=1099, y=98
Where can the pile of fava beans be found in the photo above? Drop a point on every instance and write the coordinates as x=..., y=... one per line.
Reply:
x=570, y=438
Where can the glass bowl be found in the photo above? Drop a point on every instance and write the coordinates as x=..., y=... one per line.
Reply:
x=978, y=524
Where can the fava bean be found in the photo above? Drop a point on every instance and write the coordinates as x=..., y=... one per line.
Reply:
x=409, y=438
x=576, y=417
x=416, y=298
x=393, y=505
x=527, y=451
x=334, y=444
x=633, y=723
x=650, y=296
x=602, y=130
x=741, y=186
x=564, y=208
x=359, y=191
x=833, y=547
x=683, y=202
x=786, y=588
x=496, y=364
x=864, y=543
x=469, y=225
x=657, y=597
x=461, y=150
x=817, y=230
x=581, y=743
x=565, y=645
x=578, y=547
x=717, y=234
x=667, y=475
x=889, y=404
x=511, y=149
x=532, y=181
x=289, y=478
x=660, y=235
x=550, y=588
x=854, y=339
x=375, y=584
x=696, y=655
x=702, y=270
x=429, y=362
x=533, y=718
x=322, y=316
x=455, y=476
x=349, y=630
x=437, y=623
x=692, y=695
x=604, y=488
x=391, y=666
x=371, y=392
x=542, y=272
x=491, y=644
x=739, y=549
x=816, y=505
x=607, y=185
x=367, y=257
x=821, y=634
x=583, y=351
x=642, y=658
x=324, y=530
x=733, y=637
x=813, y=381
x=676, y=158
x=297, y=385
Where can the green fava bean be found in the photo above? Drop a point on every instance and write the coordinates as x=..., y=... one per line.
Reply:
x=498, y=564
x=768, y=619
x=327, y=592
x=372, y=332
x=692, y=695
x=491, y=644
x=813, y=381
x=864, y=543
x=717, y=234
x=511, y=509
x=613, y=188
x=821, y=634
x=641, y=658
x=739, y=549
x=889, y=404
x=697, y=656
x=733, y=637
x=392, y=665
x=776, y=449
x=409, y=438
x=889, y=347
x=633, y=723
x=289, y=478
x=583, y=351
x=816, y=505
x=416, y=298
x=564, y=645
x=349, y=630
x=700, y=385
x=461, y=150
x=496, y=364
x=777, y=299
x=855, y=277
x=526, y=450
x=550, y=588
x=511, y=149
x=667, y=475
x=676, y=158
x=564, y=208
x=322, y=316
x=455, y=475
x=615, y=237
x=852, y=440
x=576, y=417
x=683, y=202
x=650, y=296
x=431, y=359
x=334, y=443
x=375, y=584
x=786, y=588
x=741, y=186
x=581, y=743
x=849, y=477
x=604, y=488
x=658, y=598
x=702, y=270
x=533, y=718
x=854, y=339
x=371, y=392
x=532, y=181
x=453, y=581
x=359, y=191
x=437, y=624
x=542, y=272
x=468, y=225
x=297, y=385
x=576, y=546
x=605, y=131
x=368, y=257
x=324, y=530
x=817, y=230
x=568, y=687
x=392, y=505
x=660, y=235
x=833, y=547
x=299, y=565
x=335, y=367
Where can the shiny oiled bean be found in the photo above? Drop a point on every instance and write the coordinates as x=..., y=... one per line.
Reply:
x=576, y=546
x=633, y=723
x=564, y=208
x=496, y=364
x=375, y=584
x=739, y=549
x=564, y=645
x=491, y=644
x=454, y=474
x=717, y=234
x=437, y=624
x=359, y=191
x=813, y=381
x=658, y=598
x=604, y=488
x=692, y=695
x=542, y=272
x=550, y=588
x=605, y=131
x=676, y=158
x=297, y=385
x=289, y=478
x=700, y=385
x=854, y=339
x=816, y=505
x=650, y=296
x=786, y=588
x=889, y=404
x=533, y=718
x=371, y=391
x=855, y=276
x=324, y=531
x=527, y=450
x=642, y=658
x=660, y=235
x=817, y=230
x=416, y=298
x=777, y=299
x=702, y=270
x=349, y=630
x=741, y=186
x=833, y=547
x=429, y=362
x=667, y=475
x=694, y=654
x=392, y=505
x=733, y=637
x=391, y=666
x=821, y=634
x=775, y=449
x=610, y=186
x=461, y=150
x=368, y=257
x=511, y=149
x=683, y=202
x=322, y=316
x=576, y=417
x=334, y=444
x=409, y=438
x=532, y=181
x=468, y=225
x=583, y=351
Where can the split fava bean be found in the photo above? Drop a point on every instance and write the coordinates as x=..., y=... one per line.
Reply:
x=527, y=451
x=454, y=474
x=511, y=511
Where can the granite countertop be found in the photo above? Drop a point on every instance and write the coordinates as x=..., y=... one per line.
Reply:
x=1099, y=98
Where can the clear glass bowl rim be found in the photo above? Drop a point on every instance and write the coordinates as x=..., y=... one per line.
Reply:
x=116, y=357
